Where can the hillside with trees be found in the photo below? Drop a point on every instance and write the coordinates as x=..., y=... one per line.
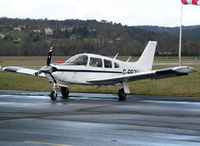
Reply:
x=28, y=37
x=188, y=31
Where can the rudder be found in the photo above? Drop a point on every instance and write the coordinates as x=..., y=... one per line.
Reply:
x=145, y=61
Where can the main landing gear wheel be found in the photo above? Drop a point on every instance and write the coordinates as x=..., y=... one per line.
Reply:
x=53, y=95
x=122, y=95
x=65, y=92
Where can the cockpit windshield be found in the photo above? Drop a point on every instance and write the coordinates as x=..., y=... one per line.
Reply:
x=78, y=60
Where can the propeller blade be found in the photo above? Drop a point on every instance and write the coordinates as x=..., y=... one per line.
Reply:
x=51, y=78
x=49, y=56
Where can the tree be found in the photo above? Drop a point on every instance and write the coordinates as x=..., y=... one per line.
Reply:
x=66, y=34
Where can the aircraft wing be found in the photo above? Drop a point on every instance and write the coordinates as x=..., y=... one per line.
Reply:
x=154, y=74
x=22, y=70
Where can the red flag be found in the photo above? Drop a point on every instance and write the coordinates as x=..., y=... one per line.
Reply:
x=194, y=2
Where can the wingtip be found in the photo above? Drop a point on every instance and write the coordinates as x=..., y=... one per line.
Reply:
x=185, y=69
x=3, y=69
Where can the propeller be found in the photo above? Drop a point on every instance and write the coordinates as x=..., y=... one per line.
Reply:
x=49, y=56
x=47, y=69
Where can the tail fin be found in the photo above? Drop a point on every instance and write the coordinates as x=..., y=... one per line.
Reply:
x=145, y=61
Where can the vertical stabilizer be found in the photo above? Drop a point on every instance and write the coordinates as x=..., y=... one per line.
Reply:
x=145, y=61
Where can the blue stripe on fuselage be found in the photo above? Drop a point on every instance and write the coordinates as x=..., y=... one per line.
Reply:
x=89, y=71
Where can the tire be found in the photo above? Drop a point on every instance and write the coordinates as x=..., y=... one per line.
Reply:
x=122, y=95
x=53, y=95
x=65, y=92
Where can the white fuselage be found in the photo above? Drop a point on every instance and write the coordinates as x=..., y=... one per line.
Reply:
x=70, y=73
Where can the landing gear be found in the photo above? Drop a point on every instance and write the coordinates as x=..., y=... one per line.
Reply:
x=53, y=95
x=65, y=92
x=122, y=95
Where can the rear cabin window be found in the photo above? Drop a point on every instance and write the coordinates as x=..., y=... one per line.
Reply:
x=116, y=65
x=107, y=64
x=95, y=62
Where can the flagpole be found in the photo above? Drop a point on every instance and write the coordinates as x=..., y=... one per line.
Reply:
x=180, y=36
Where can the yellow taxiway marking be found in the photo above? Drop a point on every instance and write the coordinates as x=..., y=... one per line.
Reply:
x=38, y=142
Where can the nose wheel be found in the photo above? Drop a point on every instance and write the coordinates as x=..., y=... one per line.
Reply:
x=53, y=95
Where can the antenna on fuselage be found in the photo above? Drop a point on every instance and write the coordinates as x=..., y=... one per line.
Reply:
x=128, y=59
x=116, y=55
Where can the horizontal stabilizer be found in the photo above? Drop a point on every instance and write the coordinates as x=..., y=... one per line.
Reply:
x=155, y=74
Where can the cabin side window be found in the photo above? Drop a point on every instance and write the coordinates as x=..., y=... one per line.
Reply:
x=107, y=63
x=95, y=62
x=116, y=65
x=79, y=60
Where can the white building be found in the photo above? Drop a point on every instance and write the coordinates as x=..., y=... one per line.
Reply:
x=48, y=31
x=37, y=30
x=17, y=29
x=2, y=36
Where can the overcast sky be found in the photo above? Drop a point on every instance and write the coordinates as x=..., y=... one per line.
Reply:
x=126, y=12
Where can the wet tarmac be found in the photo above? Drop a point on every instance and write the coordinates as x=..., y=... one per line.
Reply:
x=31, y=118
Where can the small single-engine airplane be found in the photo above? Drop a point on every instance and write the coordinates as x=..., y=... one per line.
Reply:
x=91, y=69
